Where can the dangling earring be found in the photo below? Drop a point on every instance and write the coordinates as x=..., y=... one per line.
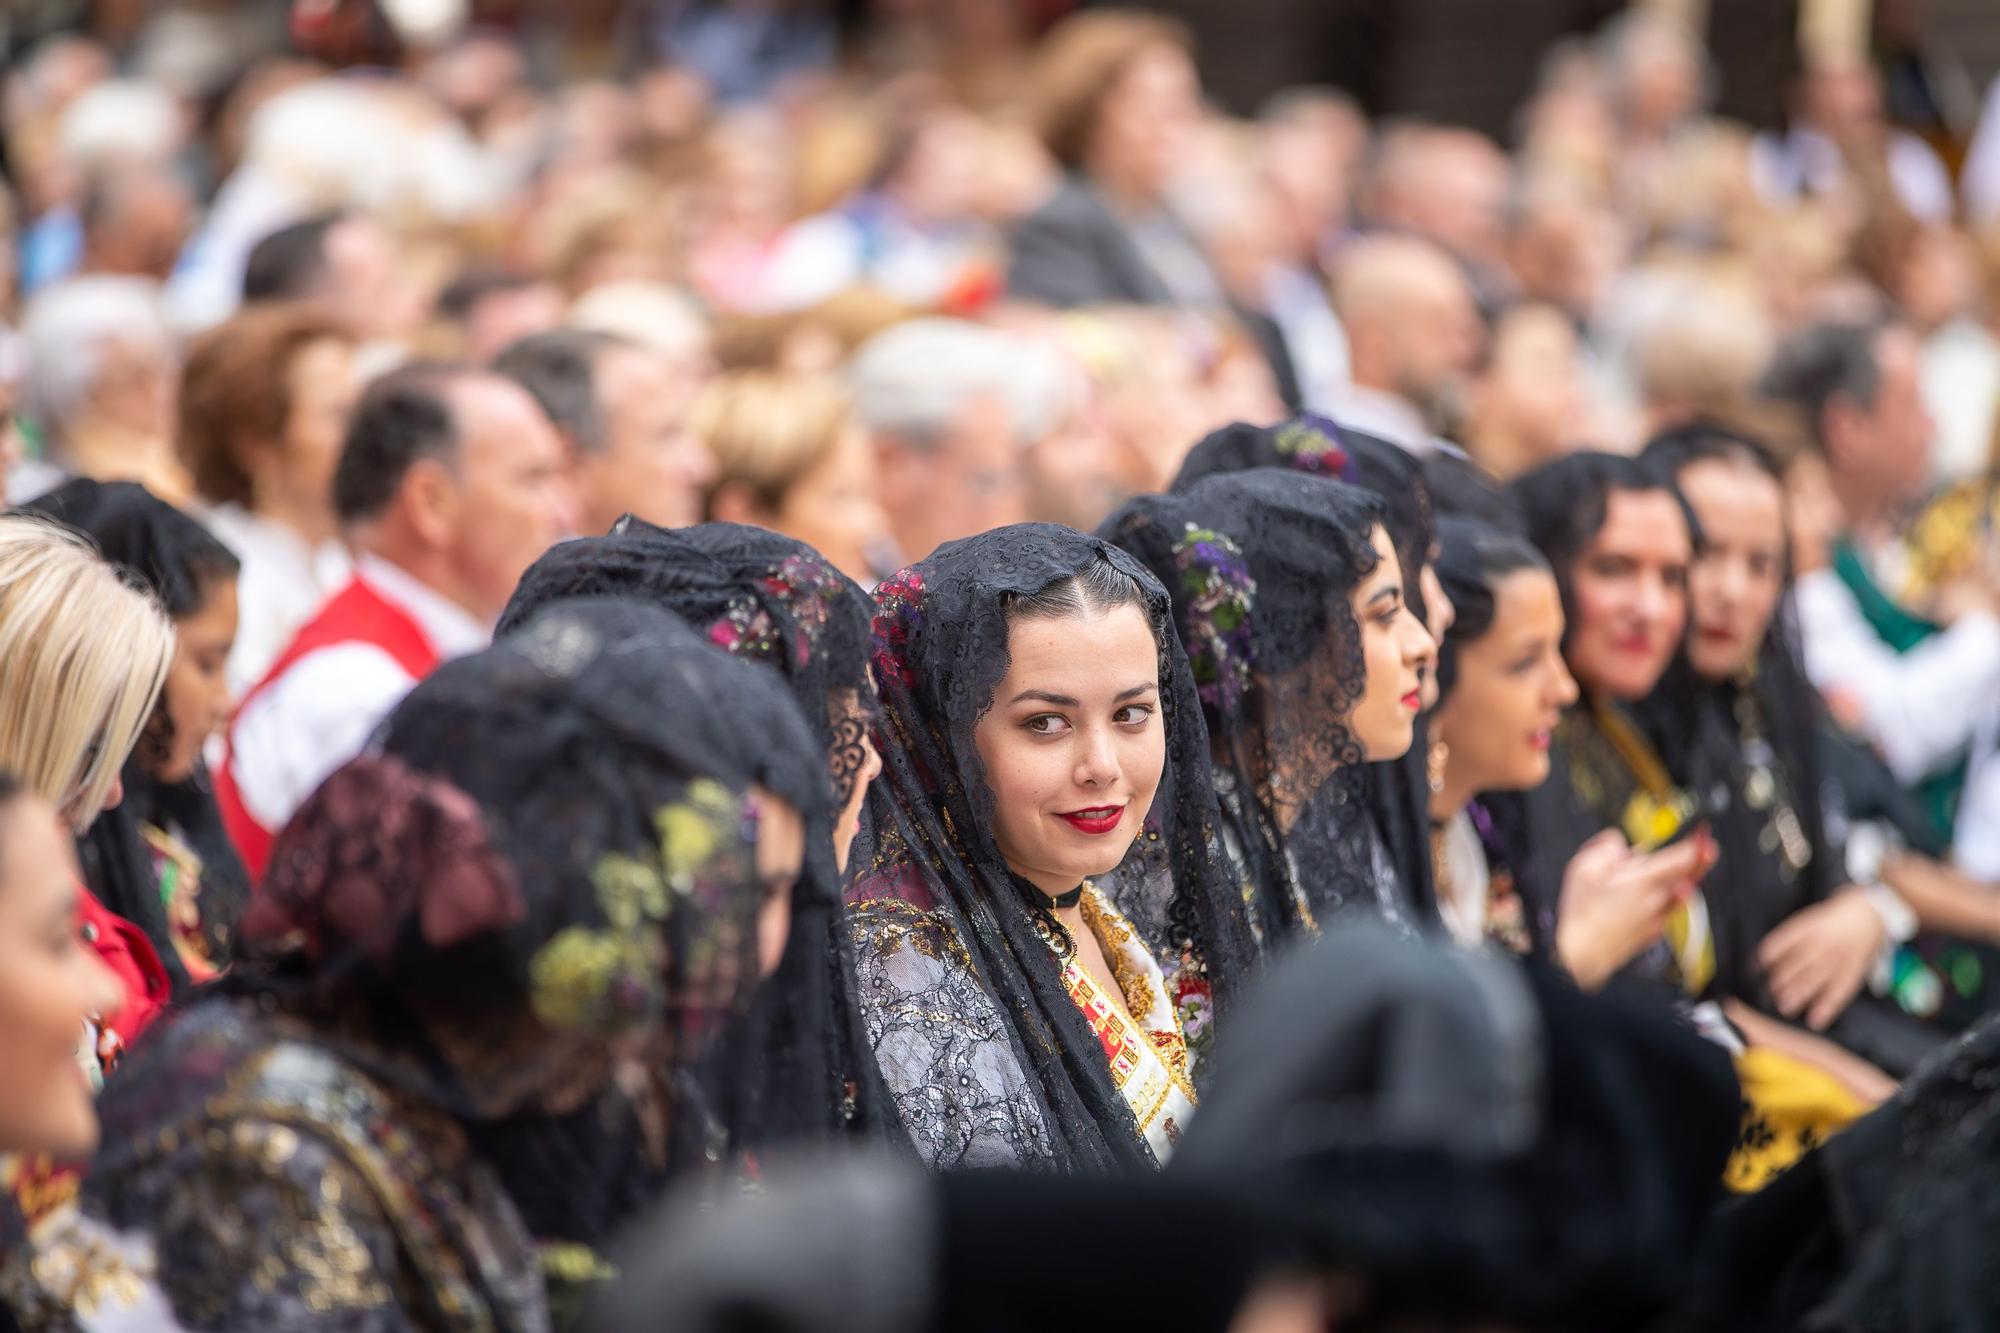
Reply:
x=1439, y=756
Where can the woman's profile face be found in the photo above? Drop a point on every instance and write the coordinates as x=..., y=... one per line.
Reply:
x=195, y=701
x=1510, y=690
x=1630, y=590
x=1739, y=574
x=1073, y=744
x=50, y=984
x=1396, y=651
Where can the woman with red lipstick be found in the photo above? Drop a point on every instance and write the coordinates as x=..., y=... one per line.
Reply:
x=1796, y=937
x=1504, y=689
x=1396, y=788
x=1044, y=930
x=1309, y=662
x=1620, y=542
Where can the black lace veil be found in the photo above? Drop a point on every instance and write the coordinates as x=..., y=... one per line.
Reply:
x=1260, y=566
x=1397, y=789
x=988, y=1058
x=764, y=598
x=1401, y=787
x=548, y=843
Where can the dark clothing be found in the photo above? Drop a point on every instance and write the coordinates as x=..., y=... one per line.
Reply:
x=1075, y=250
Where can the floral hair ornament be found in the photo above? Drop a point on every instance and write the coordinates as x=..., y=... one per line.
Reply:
x=802, y=588
x=899, y=602
x=378, y=845
x=1312, y=444
x=805, y=587
x=1216, y=621
x=745, y=629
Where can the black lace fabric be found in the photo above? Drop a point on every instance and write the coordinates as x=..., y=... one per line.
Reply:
x=987, y=1056
x=545, y=860
x=799, y=1066
x=762, y=596
x=1261, y=565
x=1400, y=788
x=1396, y=790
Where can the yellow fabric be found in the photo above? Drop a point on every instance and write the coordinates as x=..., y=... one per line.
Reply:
x=1789, y=1108
x=1653, y=816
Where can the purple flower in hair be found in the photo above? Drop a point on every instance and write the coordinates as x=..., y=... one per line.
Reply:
x=1216, y=617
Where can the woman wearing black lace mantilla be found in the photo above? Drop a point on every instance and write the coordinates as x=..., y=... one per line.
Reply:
x=1309, y=662
x=1043, y=732
x=1395, y=789
x=548, y=862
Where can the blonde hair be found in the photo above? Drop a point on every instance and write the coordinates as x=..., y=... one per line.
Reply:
x=767, y=429
x=83, y=656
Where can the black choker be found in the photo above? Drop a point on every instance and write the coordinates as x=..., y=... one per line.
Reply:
x=1061, y=902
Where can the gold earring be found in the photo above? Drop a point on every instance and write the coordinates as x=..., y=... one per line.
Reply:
x=1439, y=756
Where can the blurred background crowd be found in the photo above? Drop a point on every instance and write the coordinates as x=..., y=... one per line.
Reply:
x=392, y=296
x=902, y=272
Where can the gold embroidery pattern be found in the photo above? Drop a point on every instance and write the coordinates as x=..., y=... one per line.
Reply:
x=1116, y=935
x=887, y=924
x=1142, y=992
x=86, y=1275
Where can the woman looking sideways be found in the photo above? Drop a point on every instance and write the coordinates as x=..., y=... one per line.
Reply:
x=1310, y=664
x=1316, y=446
x=1042, y=735
x=160, y=858
x=51, y=986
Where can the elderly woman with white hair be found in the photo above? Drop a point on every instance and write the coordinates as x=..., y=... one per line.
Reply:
x=97, y=396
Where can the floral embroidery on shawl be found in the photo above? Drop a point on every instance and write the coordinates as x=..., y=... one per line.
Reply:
x=1148, y=1057
x=595, y=980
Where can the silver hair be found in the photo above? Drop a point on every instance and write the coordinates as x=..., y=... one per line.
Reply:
x=67, y=330
x=912, y=380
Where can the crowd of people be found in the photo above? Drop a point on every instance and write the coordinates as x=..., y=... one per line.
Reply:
x=922, y=683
